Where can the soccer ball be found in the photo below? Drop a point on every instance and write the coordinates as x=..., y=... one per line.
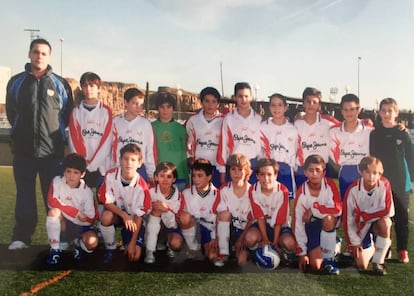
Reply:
x=267, y=257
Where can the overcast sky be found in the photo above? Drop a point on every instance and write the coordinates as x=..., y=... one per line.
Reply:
x=276, y=45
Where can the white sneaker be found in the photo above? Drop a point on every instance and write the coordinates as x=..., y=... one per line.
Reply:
x=149, y=257
x=18, y=245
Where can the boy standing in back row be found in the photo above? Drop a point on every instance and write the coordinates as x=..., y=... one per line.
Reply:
x=394, y=148
x=313, y=128
x=240, y=131
x=203, y=131
x=349, y=142
x=171, y=136
x=90, y=130
x=132, y=127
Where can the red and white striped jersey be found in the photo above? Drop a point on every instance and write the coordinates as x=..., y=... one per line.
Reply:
x=137, y=131
x=314, y=139
x=328, y=202
x=90, y=135
x=348, y=148
x=239, y=135
x=361, y=208
x=71, y=201
x=275, y=206
x=203, y=136
x=133, y=198
x=279, y=142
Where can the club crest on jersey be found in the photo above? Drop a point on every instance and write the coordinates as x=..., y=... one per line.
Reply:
x=166, y=137
x=50, y=92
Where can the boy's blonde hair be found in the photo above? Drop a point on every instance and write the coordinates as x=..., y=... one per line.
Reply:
x=367, y=160
x=241, y=161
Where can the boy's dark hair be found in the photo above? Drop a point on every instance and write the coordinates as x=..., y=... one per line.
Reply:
x=74, y=161
x=166, y=166
x=264, y=162
x=349, y=98
x=132, y=92
x=313, y=92
x=388, y=101
x=277, y=95
x=164, y=97
x=204, y=165
x=132, y=148
x=315, y=159
x=209, y=91
x=90, y=77
x=241, y=85
x=40, y=41
x=367, y=160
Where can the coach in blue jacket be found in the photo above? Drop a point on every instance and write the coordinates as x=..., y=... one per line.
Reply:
x=38, y=105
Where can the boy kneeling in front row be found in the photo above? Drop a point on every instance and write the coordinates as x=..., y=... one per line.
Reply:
x=368, y=208
x=126, y=198
x=72, y=210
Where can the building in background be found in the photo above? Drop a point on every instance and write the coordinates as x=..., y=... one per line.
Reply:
x=5, y=74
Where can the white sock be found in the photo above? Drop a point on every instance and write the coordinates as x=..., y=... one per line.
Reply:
x=53, y=231
x=190, y=238
x=223, y=234
x=328, y=244
x=381, y=247
x=151, y=234
x=108, y=235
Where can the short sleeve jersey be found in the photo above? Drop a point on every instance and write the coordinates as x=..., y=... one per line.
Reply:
x=71, y=201
x=133, y=198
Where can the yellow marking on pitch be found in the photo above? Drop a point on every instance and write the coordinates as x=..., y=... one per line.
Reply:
x=46, y=283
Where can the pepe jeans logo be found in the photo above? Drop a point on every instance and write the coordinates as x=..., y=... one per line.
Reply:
x=313, y=146
x=352, y=154
x=128, y=140
x=208, y=143
x=91, y=132
x=245, y=139
x=278, y=147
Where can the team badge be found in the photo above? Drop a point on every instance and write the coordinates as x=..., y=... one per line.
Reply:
x=50, y=92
